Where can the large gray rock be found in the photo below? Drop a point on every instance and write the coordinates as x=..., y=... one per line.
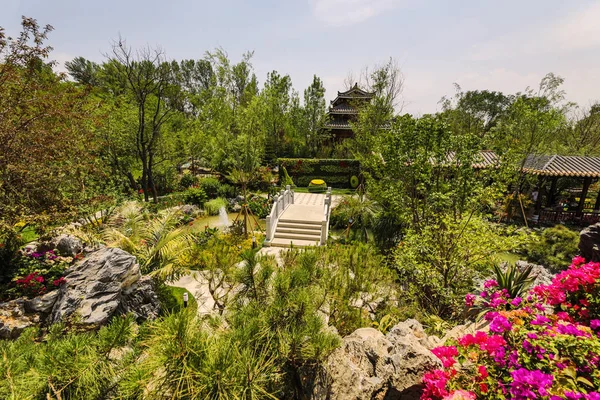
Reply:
x=14, y=319
x=104, y=284
x=589, y=242
x=542, y=275
x=141, y=300
x=67, y=245
x=370, y=365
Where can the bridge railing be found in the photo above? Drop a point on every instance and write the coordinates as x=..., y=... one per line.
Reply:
x=325, y=221
x=282, y=201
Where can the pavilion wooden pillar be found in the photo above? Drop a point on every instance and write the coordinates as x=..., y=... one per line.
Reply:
x=584, y=192
x=540, y=190
x=552, y=192
x=597, y=204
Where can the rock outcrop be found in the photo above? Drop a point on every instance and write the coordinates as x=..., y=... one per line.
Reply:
x=101, y=286
x=371, y=365
x=67, y=245
x=106, y=283
x=14, y=318
x=589, y=242
x=542, y=275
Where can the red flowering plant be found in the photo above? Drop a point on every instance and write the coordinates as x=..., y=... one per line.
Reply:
x=543, y=346
x=39, y=273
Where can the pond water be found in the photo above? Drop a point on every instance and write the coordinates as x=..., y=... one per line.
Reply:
x=218, y=221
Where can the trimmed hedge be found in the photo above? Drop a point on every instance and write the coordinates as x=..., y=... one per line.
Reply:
x=336, y=172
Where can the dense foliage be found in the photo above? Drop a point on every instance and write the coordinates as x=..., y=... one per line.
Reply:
x=336, y=172
x=554, y=247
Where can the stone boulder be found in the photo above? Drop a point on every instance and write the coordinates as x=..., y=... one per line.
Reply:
x=67, y=245
x=589, y=242
x=104, y=284
x=542, y=275
x=14, y=319
x=371, y=365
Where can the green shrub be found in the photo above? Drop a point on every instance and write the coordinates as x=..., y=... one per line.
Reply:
x=337, y=172
x=260, y=206
x=554, y=248
x=227, y=191
x=187, y=180
x=317, y=186
x=213, y=206
x=287, y=180
x=195, y=196
x=211, y=187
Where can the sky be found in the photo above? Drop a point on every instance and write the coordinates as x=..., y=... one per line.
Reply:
x=496, y=45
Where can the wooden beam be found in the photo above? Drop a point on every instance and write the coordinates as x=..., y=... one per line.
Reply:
x=540, y=190
x=597, y=204
x=552, y=193
x=584, y=192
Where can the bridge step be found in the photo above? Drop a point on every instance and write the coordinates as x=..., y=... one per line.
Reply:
x=298, y=221
x=295, y=236
x=299, y=229
x=293, y=243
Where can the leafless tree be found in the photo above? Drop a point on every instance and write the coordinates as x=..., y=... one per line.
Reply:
x=385, y=80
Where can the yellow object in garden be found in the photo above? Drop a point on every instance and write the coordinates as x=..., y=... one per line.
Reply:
x=317, y=182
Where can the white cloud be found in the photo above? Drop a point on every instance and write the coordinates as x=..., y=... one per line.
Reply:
x=579, y=30
x=576, y=31
x=349, y=12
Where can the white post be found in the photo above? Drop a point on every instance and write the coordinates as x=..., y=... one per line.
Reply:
x=323, y=233
x=269, y=227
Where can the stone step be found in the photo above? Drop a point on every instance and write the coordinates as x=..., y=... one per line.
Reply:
x=298, y=221
x=295, y=236
x=301, y=230
x=295, y=243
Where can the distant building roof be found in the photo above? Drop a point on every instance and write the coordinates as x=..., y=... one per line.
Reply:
x=353, y=93
x=576, y=166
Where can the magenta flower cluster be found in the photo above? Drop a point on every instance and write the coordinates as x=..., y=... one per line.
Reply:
x=545, y=345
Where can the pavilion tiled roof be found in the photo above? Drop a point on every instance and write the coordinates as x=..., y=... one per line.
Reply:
x=576, y=166
x=338, y=125
x=343, y=109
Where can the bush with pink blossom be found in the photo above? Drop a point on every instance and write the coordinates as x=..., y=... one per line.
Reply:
x=543, y=346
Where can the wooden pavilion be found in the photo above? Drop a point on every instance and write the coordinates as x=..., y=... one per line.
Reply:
x=344, y=109
x=551, y=168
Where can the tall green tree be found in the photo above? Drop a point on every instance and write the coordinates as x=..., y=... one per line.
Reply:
x=315, y=113
x=277, y=93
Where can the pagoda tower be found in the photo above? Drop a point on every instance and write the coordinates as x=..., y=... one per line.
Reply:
x=344, y=109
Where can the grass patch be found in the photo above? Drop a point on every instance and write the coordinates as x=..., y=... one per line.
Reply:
x=212, y=207
x=171, y=299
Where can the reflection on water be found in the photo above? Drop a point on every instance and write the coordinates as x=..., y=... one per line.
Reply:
x=218, y=221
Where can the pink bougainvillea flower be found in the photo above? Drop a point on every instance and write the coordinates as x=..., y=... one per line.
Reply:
x=460, y=395
x=446, y=354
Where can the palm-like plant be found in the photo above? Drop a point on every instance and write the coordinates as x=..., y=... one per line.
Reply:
x=159, y=244
x=357, y=214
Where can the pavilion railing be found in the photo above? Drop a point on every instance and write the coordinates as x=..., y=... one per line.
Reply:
x=556, y=217
x=282, y=201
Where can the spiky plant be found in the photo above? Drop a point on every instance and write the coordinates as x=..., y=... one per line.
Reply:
x=515, y=280
x=158, y=242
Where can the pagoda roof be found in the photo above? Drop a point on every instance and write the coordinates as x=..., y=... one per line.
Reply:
x=353, y=93
x=343, y=108
x=338, y=125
